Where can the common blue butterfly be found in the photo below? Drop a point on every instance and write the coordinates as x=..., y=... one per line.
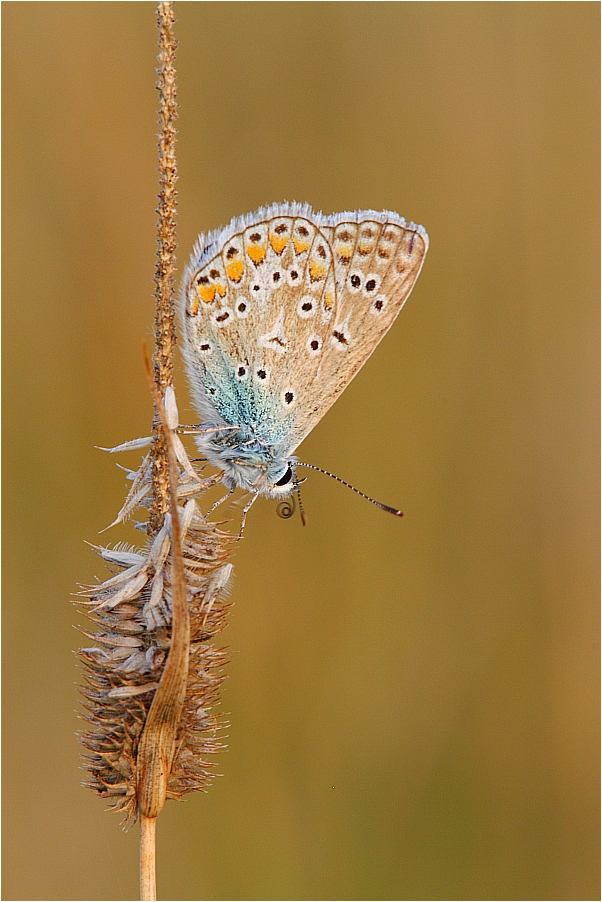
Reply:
x=279, y=310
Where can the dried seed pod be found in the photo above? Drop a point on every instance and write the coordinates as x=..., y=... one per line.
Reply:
x=132, y=616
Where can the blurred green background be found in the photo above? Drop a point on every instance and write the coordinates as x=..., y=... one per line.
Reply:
x=413, y=704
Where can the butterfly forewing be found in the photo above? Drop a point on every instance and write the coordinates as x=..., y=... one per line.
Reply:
x=376, y=266
x=283, y=307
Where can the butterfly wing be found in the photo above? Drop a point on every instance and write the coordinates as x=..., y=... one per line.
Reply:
x=281, y=308
x=258, y=300
x=377, y=259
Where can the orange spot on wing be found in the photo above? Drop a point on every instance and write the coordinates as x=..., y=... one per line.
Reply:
x=345, y=253
x=221, y=289
x=206, y=293
x=194, y=305
x=300, y=246
x=328, y=300
x=316, y=270
x=257, y=252
x=278, y=242
x=235, y=270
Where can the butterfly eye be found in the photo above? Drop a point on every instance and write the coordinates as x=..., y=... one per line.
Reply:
x=284, y=480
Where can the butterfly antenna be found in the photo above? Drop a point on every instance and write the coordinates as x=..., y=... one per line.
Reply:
x=301, y=511
x=384, y=507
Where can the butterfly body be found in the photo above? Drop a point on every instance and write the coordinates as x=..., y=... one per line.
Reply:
x=248, y=463
x=279, y=310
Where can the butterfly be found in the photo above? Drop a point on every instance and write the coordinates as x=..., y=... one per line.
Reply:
x=279, y=311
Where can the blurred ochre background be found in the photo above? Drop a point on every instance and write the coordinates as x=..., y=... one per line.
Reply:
x=413, y=704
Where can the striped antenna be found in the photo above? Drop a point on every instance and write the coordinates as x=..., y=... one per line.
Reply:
x=384, y=507
x=301, y=511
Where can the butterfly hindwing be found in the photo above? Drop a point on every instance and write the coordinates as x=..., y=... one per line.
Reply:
x=257, y=314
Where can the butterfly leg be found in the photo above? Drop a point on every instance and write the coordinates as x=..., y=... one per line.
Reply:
x=218, y=502
x=246, y=510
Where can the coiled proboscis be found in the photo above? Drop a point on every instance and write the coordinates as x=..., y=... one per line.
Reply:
x=286, y=508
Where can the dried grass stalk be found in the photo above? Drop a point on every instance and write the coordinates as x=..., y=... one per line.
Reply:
x=165, y=331
x=132, y=615
x=153, y=671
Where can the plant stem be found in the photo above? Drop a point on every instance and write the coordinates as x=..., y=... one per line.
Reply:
x=157, y=744
x=163, y=368
x=165, y=334
x=148, y=882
